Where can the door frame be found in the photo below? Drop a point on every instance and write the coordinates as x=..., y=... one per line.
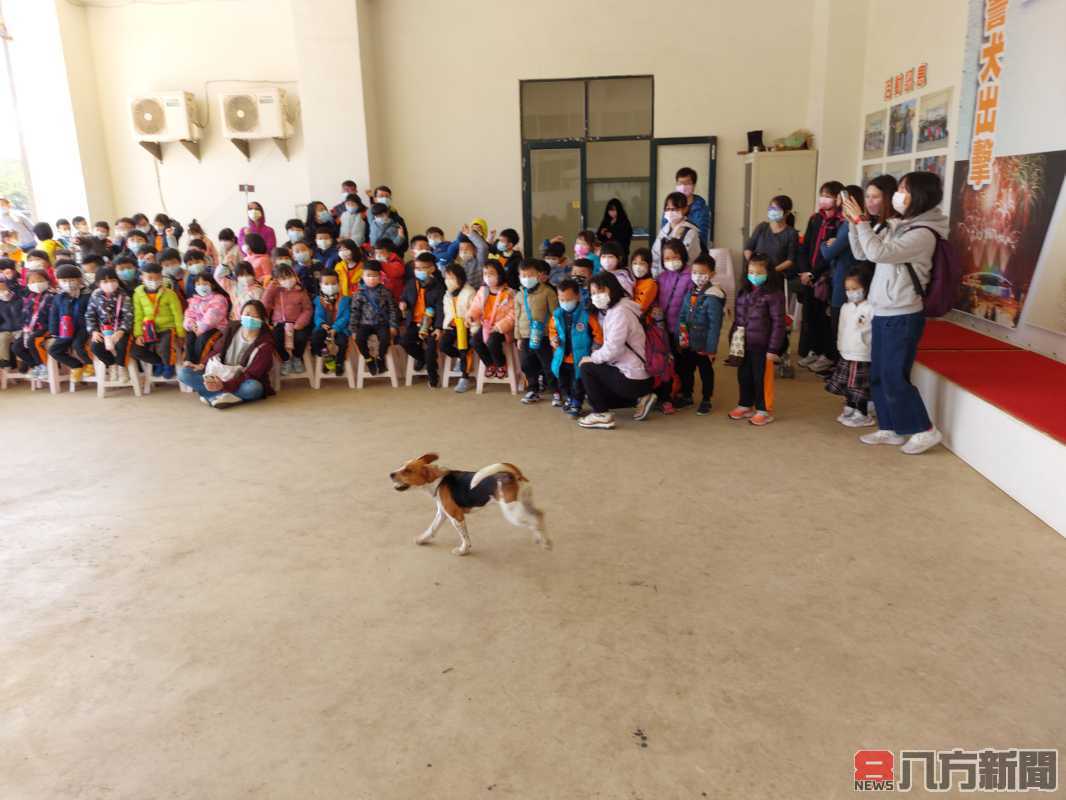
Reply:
x=527, y=184
x=712, y=173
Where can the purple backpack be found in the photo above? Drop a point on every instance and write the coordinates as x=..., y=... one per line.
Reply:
x=945, y=277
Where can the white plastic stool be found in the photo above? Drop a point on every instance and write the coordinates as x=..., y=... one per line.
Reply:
x=11, y=375
x=453, y=368
x=55, y=378
x=133, y=379
x=362, y=374
x=320, y=373
x=512, y=372
x=412, y=373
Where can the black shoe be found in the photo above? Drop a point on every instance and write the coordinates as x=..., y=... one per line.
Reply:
x=420, y=366
x=704, y=409
x=338, y=370
x=683, y=401
x=434, y=382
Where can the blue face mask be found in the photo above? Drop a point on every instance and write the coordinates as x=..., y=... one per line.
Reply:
x=127, y=274
x=295, y=236
x=143, y=262
x=529, y=281
x=322, y=216
x=135, y=246
x=501, y=246
x=421, y=275
x=251, y=323
x=755, y=279
x=775, y=215
x=568, y=305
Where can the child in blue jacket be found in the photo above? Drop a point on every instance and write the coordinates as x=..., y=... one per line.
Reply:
x=66, y=323
x=332, y=317
x=572, y=332
x=699, y=327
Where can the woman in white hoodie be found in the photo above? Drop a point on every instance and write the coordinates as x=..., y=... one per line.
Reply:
x=903, y=255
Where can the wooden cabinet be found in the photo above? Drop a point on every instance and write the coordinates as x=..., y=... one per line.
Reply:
x=767, y=174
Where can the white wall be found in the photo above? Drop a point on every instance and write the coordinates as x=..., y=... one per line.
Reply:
x=447, y=109
x=202, y=47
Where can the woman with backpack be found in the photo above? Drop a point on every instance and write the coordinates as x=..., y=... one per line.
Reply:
x=615, y=375
x=903, y=254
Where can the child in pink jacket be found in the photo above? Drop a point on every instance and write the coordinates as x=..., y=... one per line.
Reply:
x=490, y=319
x=206, y=316
x=290, y=313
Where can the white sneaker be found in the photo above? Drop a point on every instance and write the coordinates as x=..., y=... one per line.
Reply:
x=286, y=367
x=859, y=421
x=225, y=400
x=594, y=420
x=644, y=406
x=807, y=359
x=820, y=364
x=920, y=442
x=883, y=437
x=847, y=412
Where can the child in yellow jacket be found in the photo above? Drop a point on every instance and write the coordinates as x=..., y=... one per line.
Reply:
x=157, y=323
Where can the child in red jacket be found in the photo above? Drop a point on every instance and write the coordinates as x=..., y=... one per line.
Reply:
x=393, y=273
x=290, y=313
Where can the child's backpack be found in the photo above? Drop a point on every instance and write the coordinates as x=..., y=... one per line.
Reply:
x=945, y=277
x=658, y=359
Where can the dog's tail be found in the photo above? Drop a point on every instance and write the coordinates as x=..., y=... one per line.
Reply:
x=496, y=469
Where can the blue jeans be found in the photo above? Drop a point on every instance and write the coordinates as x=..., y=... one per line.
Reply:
x=248, y=391
x=895, y=345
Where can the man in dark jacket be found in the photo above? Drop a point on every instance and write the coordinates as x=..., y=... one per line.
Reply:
x=423, y=315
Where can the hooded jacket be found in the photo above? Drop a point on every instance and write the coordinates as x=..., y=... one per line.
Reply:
x=624, y=341
x=702, y=312
x=762, y=315
x=63, y=305
x=903, y=241
x=501, y=317
x=288, y=305
x=262, y=229
x=673, y=289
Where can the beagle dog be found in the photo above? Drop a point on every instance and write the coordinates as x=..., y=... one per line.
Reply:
x=459, y=493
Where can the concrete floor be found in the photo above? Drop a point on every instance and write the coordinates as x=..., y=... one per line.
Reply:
x=201, y=604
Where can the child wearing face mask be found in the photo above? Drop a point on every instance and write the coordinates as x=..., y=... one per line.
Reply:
x=10, y=272
x=851, y=376
x=10, y=319
x=229, y=252
x=196, y=231
x=558, y=269
x=587, y=245
x=325, y=252
x=173, y=274
x=699, y=328
x=332, y=321
x=473, y=251
x=612, y=259
x=291, y=315
x=534, y=306
x=353, y=220
x=349, y=267
x=294, y=232
x=38, y=260
x=443, y=250
x=109, y=320
x=645, y=287
x=90, y=265
x=45, y=240
x=490, y=319
x=9, y=247
x=241, y=287
x=505, y=250
x=28, y=347
x=258, y=256
x=63, y=233
x=455, y=335
x=393, y=272
x=422, y=305
x=373, y=313
x=675, y=283
x=581, y=274
x=760, y=311
x=157, y=323
x=257, y=225
x=676, y=227
x=195, y=265
x=129, y=277
x=206, y=316
x=573, y=332
x=66, y=323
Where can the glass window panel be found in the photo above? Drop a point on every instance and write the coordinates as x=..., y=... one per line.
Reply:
x=635, y=196
x=553, y=110
x=555, y=194
x=625, y=159
x=620, y=107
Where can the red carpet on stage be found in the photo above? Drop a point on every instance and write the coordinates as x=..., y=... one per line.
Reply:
x=1027, y=386
x=942, y=335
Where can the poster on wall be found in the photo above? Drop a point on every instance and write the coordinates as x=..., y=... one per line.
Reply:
x=933, y=120
x=1006, y=203
x=901, y=128
x=999, y=230
x=871, y=171
x=938, y=165
x=873, y=139
x=897, y=169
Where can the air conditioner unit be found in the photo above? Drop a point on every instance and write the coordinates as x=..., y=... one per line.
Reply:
x=259, y=114
x=164, y=117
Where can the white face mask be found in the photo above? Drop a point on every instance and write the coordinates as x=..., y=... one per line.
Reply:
x=245, y=280
x=346, y=255
x=330, y=289
x=288, y=283
x=90, y=278
x=673, y=265
x=640, y=269
x=255, y=214
x=152, y=285
x=608, y=262
x=433, y=241
x=700, y=279
x=601, y=300
x=37, y=287
x=529, y=281
x=673, y=216
x=203, y=289
x=109, y=287
x=899, y=202
x=685, y=189
x=68, y=286
x=855, y=295
x=371, y=282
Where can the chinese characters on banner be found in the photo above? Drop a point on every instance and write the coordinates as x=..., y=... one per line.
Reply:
x=990, y=72
x=903, y=82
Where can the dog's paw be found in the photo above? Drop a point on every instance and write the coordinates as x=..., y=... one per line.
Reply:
x=460, y=551
x=423, y=538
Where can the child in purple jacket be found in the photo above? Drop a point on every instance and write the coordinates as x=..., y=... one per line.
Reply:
x=760, y=311
x=675, y=283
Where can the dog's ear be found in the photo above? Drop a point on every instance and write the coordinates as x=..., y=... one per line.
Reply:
x=428, y=458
